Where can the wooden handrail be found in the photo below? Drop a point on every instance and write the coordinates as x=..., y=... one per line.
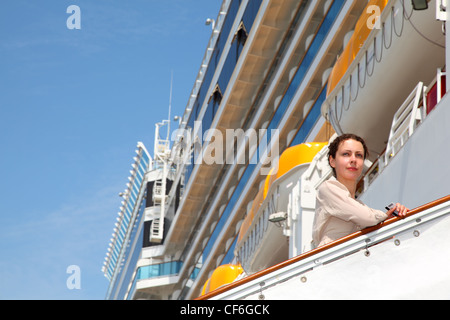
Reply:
x=320, y=249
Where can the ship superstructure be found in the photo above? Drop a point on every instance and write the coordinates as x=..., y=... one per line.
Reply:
x=227, y=208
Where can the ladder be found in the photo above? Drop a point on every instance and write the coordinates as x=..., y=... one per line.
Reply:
x=405, y=121
x=159, y=199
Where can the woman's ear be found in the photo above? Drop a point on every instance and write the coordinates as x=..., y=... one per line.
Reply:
x=332, y=162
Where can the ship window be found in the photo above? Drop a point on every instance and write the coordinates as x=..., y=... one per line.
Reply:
x=240, y=37
x=217, y=99
x=241, y=34
x=216, y=96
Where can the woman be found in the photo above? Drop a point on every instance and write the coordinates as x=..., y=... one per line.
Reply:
x=338, y=213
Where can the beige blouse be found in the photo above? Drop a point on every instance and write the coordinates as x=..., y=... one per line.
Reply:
x=338, y=214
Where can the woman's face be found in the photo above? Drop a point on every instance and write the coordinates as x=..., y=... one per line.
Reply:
x=349, y=160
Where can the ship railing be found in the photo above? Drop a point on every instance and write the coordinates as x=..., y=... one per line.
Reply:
x=361, y=241
x=406, y=120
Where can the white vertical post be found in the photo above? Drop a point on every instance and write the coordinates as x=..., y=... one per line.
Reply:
x=442, y=15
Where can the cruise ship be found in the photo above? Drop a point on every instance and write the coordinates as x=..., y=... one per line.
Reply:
x=224, y=207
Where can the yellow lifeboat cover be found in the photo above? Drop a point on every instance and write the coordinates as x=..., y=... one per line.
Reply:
x=292, y=157
x=223, y=275
x=297, y=155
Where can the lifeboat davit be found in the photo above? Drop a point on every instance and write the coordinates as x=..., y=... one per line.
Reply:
x=261, y=243
x=380, y=66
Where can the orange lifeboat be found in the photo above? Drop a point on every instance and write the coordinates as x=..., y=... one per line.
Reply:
x=292, y=157
x=251, y=214
x=223, y=275
x=356, y=42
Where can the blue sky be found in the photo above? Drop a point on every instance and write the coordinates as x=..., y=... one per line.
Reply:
x=73, y=105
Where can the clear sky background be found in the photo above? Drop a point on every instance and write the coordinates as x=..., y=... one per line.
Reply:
x=73, y=105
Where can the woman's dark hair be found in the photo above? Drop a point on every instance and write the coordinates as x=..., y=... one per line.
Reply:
x=334, y=146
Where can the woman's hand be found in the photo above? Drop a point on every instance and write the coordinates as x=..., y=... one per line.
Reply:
x=401, y=209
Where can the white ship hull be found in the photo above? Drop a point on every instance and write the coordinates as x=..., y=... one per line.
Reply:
x=406, y=259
